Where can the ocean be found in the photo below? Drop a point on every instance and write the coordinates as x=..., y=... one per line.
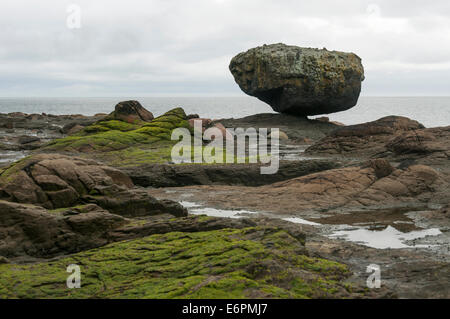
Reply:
x=430, y=111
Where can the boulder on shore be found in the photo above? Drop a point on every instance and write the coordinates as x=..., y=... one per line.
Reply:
x=56, y=181
x=299, y=81
x=130, y=112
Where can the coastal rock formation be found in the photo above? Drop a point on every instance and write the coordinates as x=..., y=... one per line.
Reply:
x=71, y=128
x=130, y=112
x=299, y=81
x=251, y=262
x=298, y=129
x=118, y=142
x=47, y=122
x=57, y=181
x=165, y=175
x=28, y=230
x=393, y=137
x=356, y=187
x=423, y=141
x=369, y=138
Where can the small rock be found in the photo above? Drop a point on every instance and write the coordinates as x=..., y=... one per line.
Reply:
x=71, y=128
x=280, y=135
x=227, y=135
x=25, y=139
x=130, y=112
x=205, y=122
x=381, y=166
x=323, y=119
x=337, y=123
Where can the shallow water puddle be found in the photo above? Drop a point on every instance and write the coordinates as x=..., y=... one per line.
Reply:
x=287, y=152
x=7, y=157
x=298, y=220
x=389, y=237
x=383, y=239
x=374, y=219
x=197, y=209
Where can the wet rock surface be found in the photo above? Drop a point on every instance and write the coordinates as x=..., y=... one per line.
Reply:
x=165, y=175
x=300, y=81
x=343, y=188
x=21, y=133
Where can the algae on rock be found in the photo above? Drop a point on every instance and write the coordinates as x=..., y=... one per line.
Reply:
x=261, y=262
x=109, y=139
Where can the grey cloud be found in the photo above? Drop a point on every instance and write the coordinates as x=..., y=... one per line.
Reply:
x=169, y=46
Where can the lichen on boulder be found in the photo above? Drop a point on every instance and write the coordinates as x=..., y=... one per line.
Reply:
x=299, y=81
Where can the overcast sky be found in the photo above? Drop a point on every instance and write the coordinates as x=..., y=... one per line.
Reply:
x=170, y=47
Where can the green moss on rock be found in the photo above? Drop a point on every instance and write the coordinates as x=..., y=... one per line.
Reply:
x=109, y=136
x=228, y=263
x=108, y=125
x=9, y=172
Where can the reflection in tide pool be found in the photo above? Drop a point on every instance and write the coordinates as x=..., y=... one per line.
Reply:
x=387, y=238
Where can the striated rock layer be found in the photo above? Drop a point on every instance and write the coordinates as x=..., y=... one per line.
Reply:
x=56, y=181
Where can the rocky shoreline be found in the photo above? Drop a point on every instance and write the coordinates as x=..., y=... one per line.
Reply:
x=70, y=201
x=104, y=193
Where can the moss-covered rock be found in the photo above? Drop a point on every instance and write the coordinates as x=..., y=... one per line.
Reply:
x=227, y=263
x=108, y=125
x=110, y=139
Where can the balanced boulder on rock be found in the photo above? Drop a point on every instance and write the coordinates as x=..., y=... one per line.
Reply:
x=300, y=81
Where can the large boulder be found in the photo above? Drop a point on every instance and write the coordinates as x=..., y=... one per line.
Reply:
x=300, y=81
x=131, y=112
x=56, y=181
x=33, y=231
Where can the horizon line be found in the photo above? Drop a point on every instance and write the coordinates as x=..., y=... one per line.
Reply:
x=194, y=96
